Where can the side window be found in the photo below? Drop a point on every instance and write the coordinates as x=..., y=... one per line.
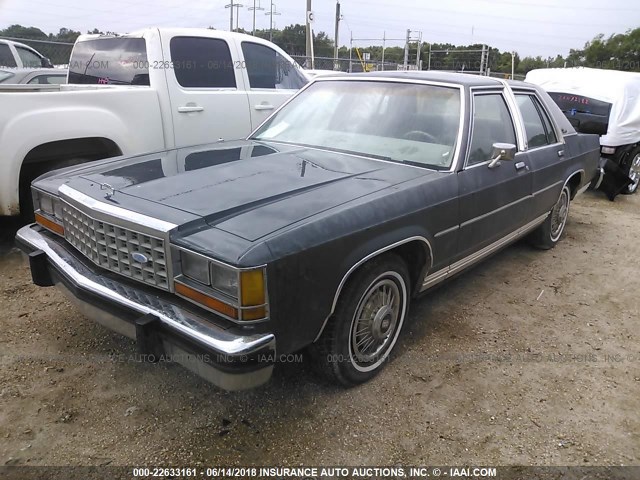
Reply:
x=492, y=123
x=539, y=131
x=6, y=58
x=266, y=68
x=548, y=126
x=29, y=59
x=202, y=62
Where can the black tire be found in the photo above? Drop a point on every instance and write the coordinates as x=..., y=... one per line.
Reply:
x=632, y=169
x=547, y=235
x=345, y=355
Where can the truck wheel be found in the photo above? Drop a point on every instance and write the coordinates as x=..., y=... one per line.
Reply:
x=366, y=324
x=634, y=172
x=548, y=234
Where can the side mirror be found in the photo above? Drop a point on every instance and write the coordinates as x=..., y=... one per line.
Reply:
x=45, y=63
x=502, y=151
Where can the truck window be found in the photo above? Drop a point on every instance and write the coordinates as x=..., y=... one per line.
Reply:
x=538, y=134
x=29, y=58
x=202, y=62
x=110, y=61
x=6, y=58
x=492, y=123
x=268, y=69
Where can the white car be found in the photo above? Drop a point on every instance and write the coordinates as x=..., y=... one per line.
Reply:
x=19, y=55
x=33, y=76
x=603, y=102
x=137, y=93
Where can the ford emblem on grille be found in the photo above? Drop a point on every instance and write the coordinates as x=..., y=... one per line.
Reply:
x=139, y=257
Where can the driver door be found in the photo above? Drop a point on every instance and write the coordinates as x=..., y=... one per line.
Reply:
x=493, y=201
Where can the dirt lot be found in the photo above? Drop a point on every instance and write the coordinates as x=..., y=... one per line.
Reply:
x=532, y=358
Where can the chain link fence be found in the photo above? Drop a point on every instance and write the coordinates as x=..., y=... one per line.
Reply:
x=345, y=64
x=58, y=52
x=469, y=61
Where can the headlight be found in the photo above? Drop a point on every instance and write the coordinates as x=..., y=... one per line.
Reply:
x=195, y=267
x=224, y=280
x=238, y=294
x=48, y=211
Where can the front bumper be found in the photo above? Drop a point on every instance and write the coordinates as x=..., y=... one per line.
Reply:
x=161, y=328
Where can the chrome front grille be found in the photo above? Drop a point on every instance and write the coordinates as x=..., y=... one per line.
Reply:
x=112, y=247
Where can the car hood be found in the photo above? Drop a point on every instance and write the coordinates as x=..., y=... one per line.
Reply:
x=248, y=189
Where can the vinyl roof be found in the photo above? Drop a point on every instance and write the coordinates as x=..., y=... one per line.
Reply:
x=465, y=79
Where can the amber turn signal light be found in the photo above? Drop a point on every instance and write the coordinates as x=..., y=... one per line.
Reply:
x=49, y=224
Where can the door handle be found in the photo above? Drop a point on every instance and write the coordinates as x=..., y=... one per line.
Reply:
x=561, y=153
x=190, y=109
x=264, y=106
x=521, y=165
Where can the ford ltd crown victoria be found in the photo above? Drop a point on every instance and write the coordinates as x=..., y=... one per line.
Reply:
x=357, y=195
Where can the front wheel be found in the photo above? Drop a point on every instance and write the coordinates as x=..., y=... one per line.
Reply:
x=633, y=173
x=548, y=234
x=366, y=324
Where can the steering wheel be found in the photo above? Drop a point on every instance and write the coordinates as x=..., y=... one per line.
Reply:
x=420, y=136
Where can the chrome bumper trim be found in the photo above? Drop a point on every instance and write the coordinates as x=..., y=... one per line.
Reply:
x=175, y=318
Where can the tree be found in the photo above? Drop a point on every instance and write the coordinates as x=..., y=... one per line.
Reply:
x=19, y=31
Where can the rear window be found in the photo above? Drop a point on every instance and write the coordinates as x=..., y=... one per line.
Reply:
x=110, y=61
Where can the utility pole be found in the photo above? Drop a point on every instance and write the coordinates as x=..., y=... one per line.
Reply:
x=308, y=49
x=254, y=8
x=406, y=50
x=384, y=46
x=230, y=7
x=237, y=6
x=336, y=64
x=271, y=13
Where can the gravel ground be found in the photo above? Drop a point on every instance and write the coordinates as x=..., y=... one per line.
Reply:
x=531, y=358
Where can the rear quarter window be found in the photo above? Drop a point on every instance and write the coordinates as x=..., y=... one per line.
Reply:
x=110, y=61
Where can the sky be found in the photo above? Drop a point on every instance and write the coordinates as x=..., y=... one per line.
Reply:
x=545, y=28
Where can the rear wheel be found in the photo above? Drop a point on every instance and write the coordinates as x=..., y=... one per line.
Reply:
x=633, y=172
x=548, y=234
x=368, y=319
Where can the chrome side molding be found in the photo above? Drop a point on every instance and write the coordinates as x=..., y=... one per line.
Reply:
x=434, y=278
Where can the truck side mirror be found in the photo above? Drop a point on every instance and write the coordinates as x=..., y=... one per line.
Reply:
x=45, y=63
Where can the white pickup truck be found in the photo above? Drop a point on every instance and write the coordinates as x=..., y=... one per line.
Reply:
x=147, y=91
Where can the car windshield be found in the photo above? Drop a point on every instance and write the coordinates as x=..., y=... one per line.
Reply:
x=404, y=122
x=4, y=75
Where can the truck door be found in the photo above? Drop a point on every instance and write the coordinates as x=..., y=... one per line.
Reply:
x=208, y=97
x=272, y=78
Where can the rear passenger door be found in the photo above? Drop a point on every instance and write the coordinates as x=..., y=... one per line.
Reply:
x=272, y=79
x=493, y=201
x=208, y=98
x=545, y=151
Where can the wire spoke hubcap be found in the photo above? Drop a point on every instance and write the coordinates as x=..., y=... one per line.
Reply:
x=559, y=216
x=375, y=321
